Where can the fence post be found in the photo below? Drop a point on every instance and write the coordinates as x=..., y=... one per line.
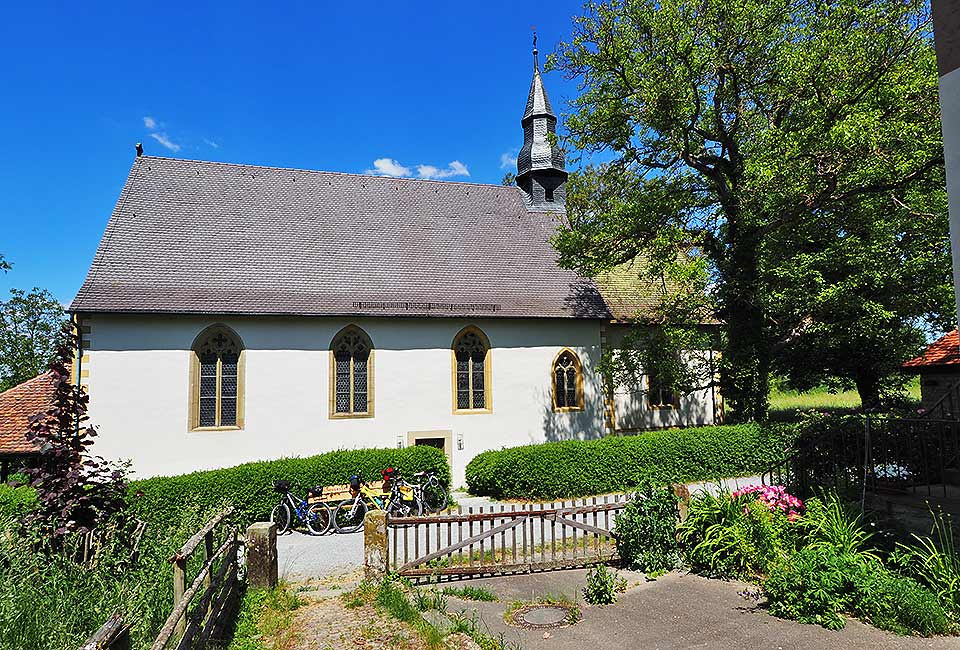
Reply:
x=375, y=557
x=179, y=587
x=262, y=555
x=207, y=555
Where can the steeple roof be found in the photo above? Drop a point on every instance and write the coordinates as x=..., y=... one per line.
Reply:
x=537, y=101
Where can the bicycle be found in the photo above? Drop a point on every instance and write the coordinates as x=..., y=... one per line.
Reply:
x=315, y=516
x=431, y=494
x=399, y=501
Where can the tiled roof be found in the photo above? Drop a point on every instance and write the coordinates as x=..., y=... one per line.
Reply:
x=212, y=238
x=17, y=406
x=942, y=352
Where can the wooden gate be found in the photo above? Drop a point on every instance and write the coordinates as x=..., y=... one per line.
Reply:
x=502, y=539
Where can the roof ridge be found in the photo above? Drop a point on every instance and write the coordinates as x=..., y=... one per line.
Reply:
x=325, y=172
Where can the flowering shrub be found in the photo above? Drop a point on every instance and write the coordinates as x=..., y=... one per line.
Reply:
x=775, y=497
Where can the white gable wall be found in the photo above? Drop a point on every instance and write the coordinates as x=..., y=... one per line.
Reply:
x=139, y=369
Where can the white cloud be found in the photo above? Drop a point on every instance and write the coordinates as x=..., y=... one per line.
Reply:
x=165, y=141
x=455, y=168
x=149, y=122
x=388, y=167
x=211, y=143
x=391, y=167
x=508, y=159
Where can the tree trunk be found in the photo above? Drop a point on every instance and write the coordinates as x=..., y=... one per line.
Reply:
x=745, y=364
x=868, y=387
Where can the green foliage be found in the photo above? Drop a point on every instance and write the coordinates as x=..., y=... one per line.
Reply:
x=249, y=487
x=935, y=562
x=754, y=134
x=30, y=330
x=53, y=600
x=646, y=531
x=829, y=522
x=471, y=593
x=264, y=614
x=818, y=584
x=601, y=586
x=15, y=503
x=579, y=468
x=735, y=537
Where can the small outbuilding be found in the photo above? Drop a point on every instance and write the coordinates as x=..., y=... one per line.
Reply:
x=17, y=406
x=939, y=370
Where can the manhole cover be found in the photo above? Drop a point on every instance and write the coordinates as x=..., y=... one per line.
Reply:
x=543, y=616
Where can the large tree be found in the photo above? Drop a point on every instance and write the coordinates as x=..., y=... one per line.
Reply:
x=30, y=329
x=728, y=124
x=854, y=292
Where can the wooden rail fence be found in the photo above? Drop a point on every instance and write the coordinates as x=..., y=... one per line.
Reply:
x=499, y=539
x=211, y=593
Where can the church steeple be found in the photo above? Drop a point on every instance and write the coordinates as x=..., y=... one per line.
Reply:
x=541, y=172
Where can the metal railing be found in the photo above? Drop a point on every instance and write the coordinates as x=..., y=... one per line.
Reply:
x=859, y=455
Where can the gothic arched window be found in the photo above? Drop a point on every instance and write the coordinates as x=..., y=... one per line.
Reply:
x=217, y=380
x=567, y=382
x=351, y=374
x=471, y=371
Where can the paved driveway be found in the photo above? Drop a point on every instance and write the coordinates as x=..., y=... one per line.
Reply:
x=676, y=611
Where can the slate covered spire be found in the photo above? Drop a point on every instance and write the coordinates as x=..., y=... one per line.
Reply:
x=541, y=172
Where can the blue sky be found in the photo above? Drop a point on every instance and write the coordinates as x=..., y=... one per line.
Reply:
x=438, y=88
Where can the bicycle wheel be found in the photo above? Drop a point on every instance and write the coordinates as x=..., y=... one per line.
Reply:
x=434, y=498
x=402, y=508
x=348, y=515
x=318, y=519
x=281, y=516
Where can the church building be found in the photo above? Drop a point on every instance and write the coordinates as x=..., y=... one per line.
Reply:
x=235, y=313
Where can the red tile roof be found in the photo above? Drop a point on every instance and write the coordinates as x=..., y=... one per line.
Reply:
x=942, y=352
x=17, y=406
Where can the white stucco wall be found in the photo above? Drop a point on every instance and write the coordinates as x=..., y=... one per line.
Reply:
x=950, y=120
x=632, y=409
x=139, y=369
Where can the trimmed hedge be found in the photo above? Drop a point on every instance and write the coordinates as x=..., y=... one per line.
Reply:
x=576, y=468
x=249, y=487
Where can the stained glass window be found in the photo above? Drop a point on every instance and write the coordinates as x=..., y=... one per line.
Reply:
x=218, y=391
x=351, y=353
x=566, y=381
x=472, y=356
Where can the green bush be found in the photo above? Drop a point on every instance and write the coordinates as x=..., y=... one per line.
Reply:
x=735, y=537
x=579, y=468
x=16, y=502
x=819, y=583
x=249, y=487
x=646, y=531
x=601, y=586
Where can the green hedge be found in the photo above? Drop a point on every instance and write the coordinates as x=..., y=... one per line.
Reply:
x=580, y=468
x=15, y=502
x=249, y=487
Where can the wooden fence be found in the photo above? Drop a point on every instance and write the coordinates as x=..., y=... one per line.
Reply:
x=501, y=539
x=201, y=605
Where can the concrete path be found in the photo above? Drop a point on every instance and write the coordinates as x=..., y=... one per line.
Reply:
x=676, y=611
x=302, y=556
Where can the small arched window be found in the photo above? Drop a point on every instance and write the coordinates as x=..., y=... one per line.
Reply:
x=351, y=374
x=217, y=380
x=567, y=382
x=471, y=371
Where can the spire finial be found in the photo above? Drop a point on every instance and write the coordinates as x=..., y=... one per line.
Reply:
x=536, y=60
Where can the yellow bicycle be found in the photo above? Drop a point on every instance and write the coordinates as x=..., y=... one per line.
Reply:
x=400, y=501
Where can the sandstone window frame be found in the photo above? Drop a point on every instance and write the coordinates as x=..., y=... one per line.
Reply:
x=466, y=341
x=349, y=340
x=560, y=403
x=217, y=340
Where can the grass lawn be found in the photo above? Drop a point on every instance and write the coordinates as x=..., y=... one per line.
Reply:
x=785, y=403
